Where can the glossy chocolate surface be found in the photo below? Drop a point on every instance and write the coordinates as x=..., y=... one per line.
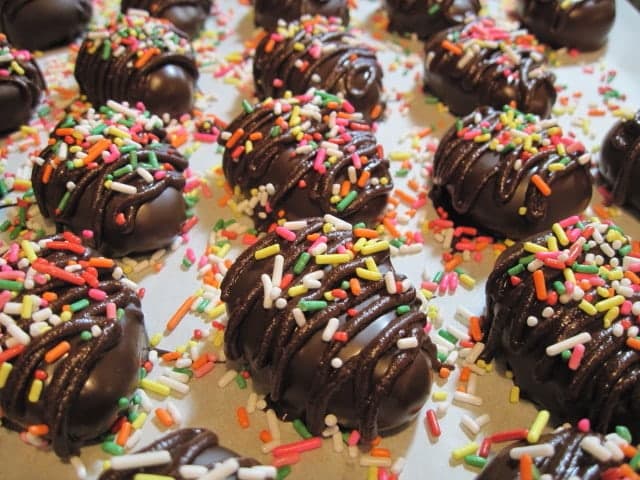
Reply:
x=288, y=174
x=581, y=291
x=20, y=91
x=142, y=60
x=581, y=24
x=43, y=24
x=82, y=388
x=78, y=196
x=486, y=181
x=620, y=163
x=375, y=386
x=268, y=12
x=483, y=63
x=427, y=17
x=187, y=15
x=331, y=59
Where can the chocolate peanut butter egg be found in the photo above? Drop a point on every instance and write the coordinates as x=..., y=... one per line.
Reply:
x=328, y=327
x=562, y=312
x=269, y=12
x=110, y=176
x=302, y=156
x=510, y=173
x=187, y=15
x=43, y=24
x=484, y=63
x=316, y=52
x=21, y=86
x=73, y=341
x=138, y=58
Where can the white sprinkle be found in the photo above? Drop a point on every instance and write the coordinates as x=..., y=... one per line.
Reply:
x=330, y=420
x=42, y=315
x=174, y=384
x=336, y=362
x=337, y=222
x=547, y=312
x=567, y=344
x=81, y=470
x=144, y=173
x=272, y=422
x=330, y=329
x=135, y=437
x=483, y=419
x=96, y=331
x=189, y=472
x=532, y=321
x=222, y=470
x=463, y=314
x=299, y=317
x=470, y=424
x=278, y=265
x=259, y=472
x=251, y=402
x=390, y=282
x=123, y=188
x=538, y=450
x=175, y=413
x=140, y=460
x=336, y=439
x=227, y=378
x=475, y=352
x=616, y=453
x=18, y=334
x=370, y=461
x=592, y=445
x=406, y=343
x=398, y=466
x=463, y=397
x=297, y=225
x=458, y=333
x=267, y=302
x=617, y=330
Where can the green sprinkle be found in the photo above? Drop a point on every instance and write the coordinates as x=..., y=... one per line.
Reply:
x=634, y=463
x=86, y=335
x=625, y=250
x=275, y=131
x=346, y=201
x=106, y=50
x=4, y=226
x=79, y=305
x=559, y=287
x=153, y=159
x=403, y=172
x=301, y=428
x=301, y=263
x=566, y=355
x=112, y=448
x=344, y=285
x=184, y=371
x=312, y=305
x=204, y=303
x=441, y=356
x=120, y=313
x=516, y=270
x=437, y=277
x=15, y=233
x=123, y=403
x=63, y=201
x=402, y=309
x=624, y=432
x=247, y=106
x=585, y=268
x=122, y=171
x=241, y=382
x=475, y=461
x=11, y=285
x=283, y=472
x=433, y=9
x=3, y=188
x=527, y=260
x=447, y=336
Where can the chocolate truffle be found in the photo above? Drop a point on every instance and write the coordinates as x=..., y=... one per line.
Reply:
x=327, y=326
x=109, y=176
x=581, y=24
x=188, y=15
x=562, y=311
x=194, y=448
x=43, y=24
x=138, y=59
x=566, y=454
x=620, y=163
x=21, y=86
x=427, y=17
x=268, y=12
x=510, y=173
x=73, y=341
x=483, y=63
x=305, y=156
x=319, y=53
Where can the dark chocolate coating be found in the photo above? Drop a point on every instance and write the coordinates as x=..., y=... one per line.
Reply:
x=378, y=388
x=188, y=15
x=484, y=74
x=19, y=92
x=605, y=387
x=80, y=398
x=152, y=216
x=582, y=24
x=268, y=12
x=425, y=18
x=187, y=446
x=274, y=160
x=620, y=162
x=43, y=24
x=568, y=462
x=166, y=83
x=482, y=187
x=332, y=60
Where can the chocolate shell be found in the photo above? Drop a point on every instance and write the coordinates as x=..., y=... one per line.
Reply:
x=427, y=17
x=73, y=341
x=581, y=24
x=268, y=12
x=339, y=331
x=287, y=156
x=319, y=53
x=483, y=63
x=21, y=86
x=620, y=163
x=187, y=15
x=43, y=24
x=138, y=59
x=562, y=310
x=188, y=447
x=509, y=173
x=109, y=176
x=569, y=458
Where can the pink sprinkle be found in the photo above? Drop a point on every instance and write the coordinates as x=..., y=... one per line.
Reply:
x=574, y=234
x=347, y=107
x=567, y=222
x=319, y=240
x=12, y=255
x=290, y=459
x=301, y=446
x=87, y=233
x=159, y=175
x=625, y=309
x=431, y=286
x=203, y=261
x=634, y=267
x=97, y=294
x=5, y=296
x=12, y=275
x=355, y=158
x=584, y=425
x=111, y=311
x=318, y=163
x=286, y=234
x=576, y=357
x=354, y=438
x=453, y=282
x=190, y=255
x=205, y=137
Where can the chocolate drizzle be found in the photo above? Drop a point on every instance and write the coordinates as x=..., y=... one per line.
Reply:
x=378, y=386
x=582, y=24
x=143, y=220
x=20, y=87
x=268, y=12
x=568, y=462
x=605, y=385
x=188, y=15
x=285, y=161
x=620, y=162
x=482, y=63
x=425, y=18
x=483, y=173
x=187, y=446
x=331, y=59
x=79, y=401
x=138, y=59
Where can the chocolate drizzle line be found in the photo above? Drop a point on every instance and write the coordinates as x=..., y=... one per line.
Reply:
x=332, y=60
x=283, y=338
x=605, y=387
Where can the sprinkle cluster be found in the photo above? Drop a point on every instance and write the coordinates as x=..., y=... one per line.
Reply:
x=12, y=60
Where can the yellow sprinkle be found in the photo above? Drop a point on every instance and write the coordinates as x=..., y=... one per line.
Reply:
x=514, y=394
x=333, y=258
x=552, y=243
x=615, y=274
x=439, y=396
x=482, y=138
x=223, y=250
x=155, y=387
x=610, y=316
x=467, y=281
x=328, y=296
x=5, y=370
x=538, y=426
x=522, y=211
x=335, y=199
x=427, y=294
x=375, y=247
x=603, y=292
x=569, y=276
x=399, y=156
x=371, y=264
x=116, y=132
x=587, y=308
x=559, y=233
x=561, y=150
x=65, y=316
x=613, y=235
x=15, y=66
x=182, y=348
x=384, y=180
x=216, y=311
x=35, y=391
x=359, y=244
x=604, y=305
x=267, y=252
x=508, y=242
x=533, y=247
x=327, y=227
x=27, y=248
x=248, y=146
x=218, y=339
x=556, y=167
x=27, y=307
x=372, y=473
x=297, y=290
x=468, y=449
x=139, y=421
x=509, y=374
x=368, y=274
x=155, y=340
x=27, y=129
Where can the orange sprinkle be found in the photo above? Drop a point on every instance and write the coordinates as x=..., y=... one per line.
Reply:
x=465, y=374
x=632, y=276
x=345, y=188
x=164, y=417
x=376, y=441
x=629, y=450
x=38, y=430
x=633, y=343
x=376, y=111
x=390, y=227
x=56, y=352
x=235, y=137
x=413, y=185
x=63, y=132
x=255, y=136
x=364, y=178
x=96, y=150
x=452, y=47
x=243, y=417
x=145, y=57
x=461, y=388
x=453, y=263
x=124, y=433
x=265, y=436
x=50, y=296
x=46, y=173
x=475, y=329
x=380, y=452
x=101, y=262
x=270, y=45
x=365, y=232
x=526, y=467
x=444, y=372
x=354, y=285
x=424, y=132
x=541, y=185
x=170, y=356
x=180, y=313
x=405, y=197
x=540, y=285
